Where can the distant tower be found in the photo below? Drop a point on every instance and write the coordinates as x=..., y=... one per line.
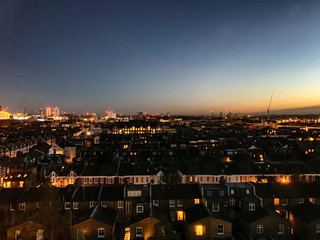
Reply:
x=0, y=108
x=40, y=112
x=56, y=112
x=48, y=111
x=168, y=114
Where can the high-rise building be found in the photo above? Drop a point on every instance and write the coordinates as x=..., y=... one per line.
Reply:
x=48, y=112
x=56, y=112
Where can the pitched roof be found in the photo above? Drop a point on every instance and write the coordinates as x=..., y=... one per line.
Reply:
x=181, y=191
x=307, y=211
x=196, y=213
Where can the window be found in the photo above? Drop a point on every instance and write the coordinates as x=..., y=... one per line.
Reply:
x=318, y=228
x=301, y=200
x=276, y=201
x=17, y=234
x=196, y=201
x=284, y=201
x=260, y=229
x=13, y=206
x=103, y=204
x=252, y=207
x=101, y=232
x=92, y=204
x=220, y=229
x=247, y=191
x=199, y=230
x=180, y=203
x=139, y=209
x=232, y=202
x=95, y=180
x=232, y=191
x=209, y=193
x=39, y=234
x=172, y=203
x=90, y=180
x=180, y=215
x=134, y=193
x=221, y=193
x=37, y=205
x=156, y=202
x=281, y=229
x=85, y=180
x=313, y=200
x=67, y=205
x=215, y=207
x=172, y=215
x=76, y=205
x=120, y=204
x=22, y=206
x=139, y=231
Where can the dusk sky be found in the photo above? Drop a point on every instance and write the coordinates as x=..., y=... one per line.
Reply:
x=186, y=57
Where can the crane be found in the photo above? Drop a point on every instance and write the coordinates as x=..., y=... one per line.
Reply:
x=268, y=109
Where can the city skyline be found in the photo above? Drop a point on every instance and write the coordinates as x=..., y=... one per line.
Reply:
x=185, y=57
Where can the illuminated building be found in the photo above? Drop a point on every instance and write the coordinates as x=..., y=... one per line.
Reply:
x=4, y=115
x=48, y=112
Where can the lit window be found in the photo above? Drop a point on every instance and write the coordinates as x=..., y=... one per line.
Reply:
x=172, y=203
x=301, y=200
x=252, y=207
x=260, y=229
x=180, y=215
x=232, y=202
x=17, y=234
x=120, y=204
x=276, y=201
x=139, y=231
x=247, y=191
x=318, y=228
x=281, y=229
x=196, y=201
x=220, y=229
x=101, y=232
x=39, y=234
x=103, y=204
x=139, y=209
x=199, y=230
x=232, y=191
x=313, y=200
x=215, y=207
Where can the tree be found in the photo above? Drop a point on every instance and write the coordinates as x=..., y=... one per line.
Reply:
x=172, y=178
x=163, y=231
x=51, y=212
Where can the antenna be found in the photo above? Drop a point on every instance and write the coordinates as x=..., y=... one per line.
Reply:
x=268, y=109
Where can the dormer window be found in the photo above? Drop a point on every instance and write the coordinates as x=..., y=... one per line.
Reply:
x=67, y=205
x=156, y=202
x=252, y=207
x=215, y=207
x=172, y=203
x=140, y=209
x=22, y=206
x=92, y=204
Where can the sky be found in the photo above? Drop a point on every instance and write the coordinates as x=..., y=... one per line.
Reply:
x=182, y=57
